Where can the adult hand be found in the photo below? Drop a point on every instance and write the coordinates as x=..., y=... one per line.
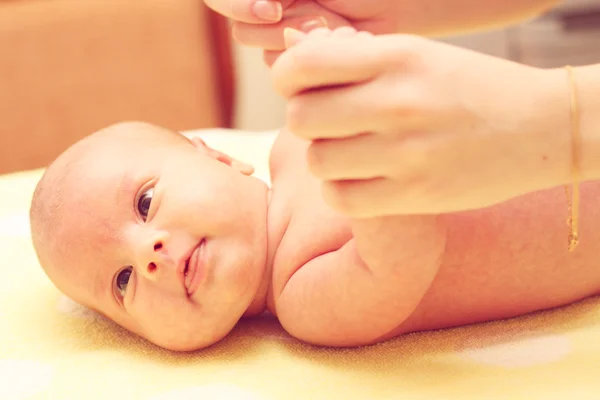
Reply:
x=260, y=23
x=404, y=125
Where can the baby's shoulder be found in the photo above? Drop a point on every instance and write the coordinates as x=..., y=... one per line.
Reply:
x=310, y=229
x=302, y=223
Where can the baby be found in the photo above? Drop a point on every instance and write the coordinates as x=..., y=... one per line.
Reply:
x=176, y=242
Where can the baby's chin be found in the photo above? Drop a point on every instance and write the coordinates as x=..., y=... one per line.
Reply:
x=188, y=332
x=185, y=343
x=183, y=347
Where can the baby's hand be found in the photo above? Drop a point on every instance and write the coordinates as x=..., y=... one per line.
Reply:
x=259, y=23
x=293, y=36
x=400, y=124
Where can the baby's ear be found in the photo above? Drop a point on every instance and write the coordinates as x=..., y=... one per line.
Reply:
x=241, y=167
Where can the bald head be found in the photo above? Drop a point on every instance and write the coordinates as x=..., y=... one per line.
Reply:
x=56, y=194
x=49, y=205
x=118, y=216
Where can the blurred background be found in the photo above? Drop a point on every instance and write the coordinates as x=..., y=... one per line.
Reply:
x=70, y=67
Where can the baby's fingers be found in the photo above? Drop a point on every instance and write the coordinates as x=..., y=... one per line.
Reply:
x=270, y=37
x=293, y=36
x=315, y=32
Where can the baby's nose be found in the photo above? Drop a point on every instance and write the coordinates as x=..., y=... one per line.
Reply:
x=153, y=256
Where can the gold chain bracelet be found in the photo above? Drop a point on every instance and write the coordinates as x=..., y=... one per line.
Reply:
x=573, y=197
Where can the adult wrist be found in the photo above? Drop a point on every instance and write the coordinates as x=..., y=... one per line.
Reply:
x=587, y=82
x=549, y=142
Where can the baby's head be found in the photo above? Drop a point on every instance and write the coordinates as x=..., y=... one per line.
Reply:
x=161, y=234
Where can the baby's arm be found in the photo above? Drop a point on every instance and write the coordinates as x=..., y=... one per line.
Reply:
x=368, y=287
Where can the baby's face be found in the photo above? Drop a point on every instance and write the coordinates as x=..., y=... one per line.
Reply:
x=163, y=237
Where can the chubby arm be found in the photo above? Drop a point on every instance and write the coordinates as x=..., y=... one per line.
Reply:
x=365, y=289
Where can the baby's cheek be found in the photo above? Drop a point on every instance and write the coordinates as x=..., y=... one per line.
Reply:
x=164, y=321
x=242, y=268
x=158, y=309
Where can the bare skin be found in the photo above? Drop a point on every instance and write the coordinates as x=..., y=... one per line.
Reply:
x=370, y=278
x=402, y=125
x=330, y=280
x=261, y=25
x=335, y=278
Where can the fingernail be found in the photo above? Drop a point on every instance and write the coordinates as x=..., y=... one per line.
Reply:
x=271, y=11
x=317, y=22
x=292, y=36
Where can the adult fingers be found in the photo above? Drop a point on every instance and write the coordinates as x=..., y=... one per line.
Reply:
x=365, y=156
x=376, y=106
x=303, y=16
x=270, y=37
x=270, y=56
x=292, y=37
x=250, y=11
x=360, y=198
x=329, y=62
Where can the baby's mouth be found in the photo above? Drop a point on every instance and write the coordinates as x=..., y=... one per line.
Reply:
x=187, y=267
x=192, y=272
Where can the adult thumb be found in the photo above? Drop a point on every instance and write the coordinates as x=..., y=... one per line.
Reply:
x=250, y=11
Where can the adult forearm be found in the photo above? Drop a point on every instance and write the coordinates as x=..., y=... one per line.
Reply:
x=446, y=17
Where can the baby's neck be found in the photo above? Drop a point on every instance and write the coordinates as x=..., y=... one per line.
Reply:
x=263, y=299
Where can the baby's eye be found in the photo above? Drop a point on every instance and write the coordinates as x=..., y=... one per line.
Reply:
x=123, y=280
x=143, y=203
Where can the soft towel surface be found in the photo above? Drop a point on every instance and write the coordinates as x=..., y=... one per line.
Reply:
x=50, y=348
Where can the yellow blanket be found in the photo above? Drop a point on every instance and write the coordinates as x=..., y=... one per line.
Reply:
x=51, y=348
